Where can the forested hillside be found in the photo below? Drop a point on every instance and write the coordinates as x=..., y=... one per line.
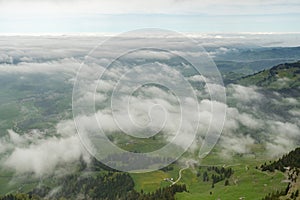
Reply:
x=283, y=77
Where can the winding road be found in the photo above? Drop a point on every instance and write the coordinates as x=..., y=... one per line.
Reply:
x=180, y=173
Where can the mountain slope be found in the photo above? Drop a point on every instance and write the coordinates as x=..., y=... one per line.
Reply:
x=283, y=78
x=290, y=164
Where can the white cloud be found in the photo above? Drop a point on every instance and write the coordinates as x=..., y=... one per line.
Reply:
x=66, y=65
x=44, y=157
x=149, y=7
x=295, y=112
x=291, y=101
x=284, y=137
x=286, y=129
x=197, y=78
x=32, y=152
x=279, y=146
x=244, y=94
x=236, y=144
x=283, y=82
x=15, y=137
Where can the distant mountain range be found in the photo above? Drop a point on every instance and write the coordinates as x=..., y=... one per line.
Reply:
x=248, y=61
x=262, y=53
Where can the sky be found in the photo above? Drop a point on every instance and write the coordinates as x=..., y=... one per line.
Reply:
x=86, y=16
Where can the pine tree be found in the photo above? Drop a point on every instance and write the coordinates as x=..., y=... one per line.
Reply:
x=226, y=182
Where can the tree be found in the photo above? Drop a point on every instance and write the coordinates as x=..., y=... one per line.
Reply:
x=226, y=182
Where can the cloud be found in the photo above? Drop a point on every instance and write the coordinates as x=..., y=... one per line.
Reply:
x=279, y=146
x=44, y=157
x=150, y=54
x=42, y=54
x=244, y=94
x=235, y=118
x=15, y=137
x=34, y=153
x=197, y=78
x=295, y=112
x=291, y=101
x=278, y=134
x=283, y=82
x=41, y=154
x=282, y=137
x=153, y=7
x=233, y=144
x=68, y=66
x=285, y=128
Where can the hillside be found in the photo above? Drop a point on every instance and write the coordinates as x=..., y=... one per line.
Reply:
x=261, y=54
x=249, y=61
x=290, y=164
x=291, y=160
x=283, y=77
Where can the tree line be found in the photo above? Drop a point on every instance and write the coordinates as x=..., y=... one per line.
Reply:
x=291, y=160
x=218, y=174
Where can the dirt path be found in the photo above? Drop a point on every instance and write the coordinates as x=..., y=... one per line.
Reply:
x=180, y=173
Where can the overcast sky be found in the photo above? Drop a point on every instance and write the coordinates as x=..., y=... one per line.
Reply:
x=69, y=16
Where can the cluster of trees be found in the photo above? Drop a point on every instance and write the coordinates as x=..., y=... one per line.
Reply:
x=295, y=194
x=278, y=194
x=205, y=177
x=291, y=160
x=106, y=185
x=223, y=172
x=114, y=185
x=20, y=196
x=217, y=174
x=95, y=181
x=274, y=195
x=110, y=185
x=167, y=193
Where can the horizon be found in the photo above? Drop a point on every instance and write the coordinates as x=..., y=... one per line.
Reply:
x=250, y=39
x=118, y=16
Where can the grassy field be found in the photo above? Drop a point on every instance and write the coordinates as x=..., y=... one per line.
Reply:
x=151, y=181
x=42, y=109
x=246, y=181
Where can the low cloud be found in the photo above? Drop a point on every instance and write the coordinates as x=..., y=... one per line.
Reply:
x=233, y=144
x=44, y=157
x=41, y=154
x=67, y=65
x=244, y=94
x=34, y=153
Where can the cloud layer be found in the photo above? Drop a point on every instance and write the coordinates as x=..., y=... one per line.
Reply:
x=248, y=120
x=214, y=7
